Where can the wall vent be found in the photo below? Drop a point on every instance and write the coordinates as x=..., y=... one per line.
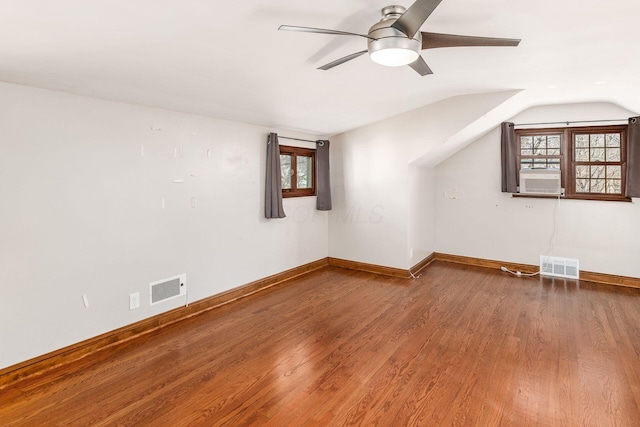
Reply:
x=559, y=267
x=166, y=289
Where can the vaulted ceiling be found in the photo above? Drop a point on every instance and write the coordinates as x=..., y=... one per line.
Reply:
x=228, y=60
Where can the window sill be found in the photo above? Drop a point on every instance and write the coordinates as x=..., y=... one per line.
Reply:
x=296, y=196
x=536, y=196
x=550, y=196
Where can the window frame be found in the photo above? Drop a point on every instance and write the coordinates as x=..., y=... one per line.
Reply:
x=567, y=159
x=294, y=152
x=571, y=189
x=538, y=132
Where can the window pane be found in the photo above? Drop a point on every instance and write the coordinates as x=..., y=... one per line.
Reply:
x=539, y=163
x=582, y=185
x=582, y=171
x=582, y=141
x=613, y=140
x=553, y=163
x=285, y=167
x=597, y=185
x=582, y=154
x=597, y=171
x=526, y=164
x=553, y=152
x=613, y=154
x=614, y=172
x=526, y=142
x=597, y=154
x=539, y=141
x=553, y=141
x=597, y=140
x=614, y=186
x=540, y=151
x=304, y=171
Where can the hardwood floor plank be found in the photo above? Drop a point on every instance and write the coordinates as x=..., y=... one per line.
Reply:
x=460, y=346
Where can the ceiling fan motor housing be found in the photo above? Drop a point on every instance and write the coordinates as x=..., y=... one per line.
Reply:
x=398, y=48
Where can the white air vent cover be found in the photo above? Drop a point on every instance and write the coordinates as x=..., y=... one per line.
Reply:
x=559, y=267
x=540, y=181
x=167, y=289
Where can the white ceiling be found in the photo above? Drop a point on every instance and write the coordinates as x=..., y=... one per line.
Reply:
x=227, y=59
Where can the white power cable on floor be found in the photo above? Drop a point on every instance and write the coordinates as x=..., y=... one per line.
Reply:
x=519, y=273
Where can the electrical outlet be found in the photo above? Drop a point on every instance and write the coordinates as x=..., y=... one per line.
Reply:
x=134, y=300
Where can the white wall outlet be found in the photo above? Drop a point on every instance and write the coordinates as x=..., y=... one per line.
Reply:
x=134, y=300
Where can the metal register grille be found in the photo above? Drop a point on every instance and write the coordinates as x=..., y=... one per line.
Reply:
x=167, y=289
x=559, y=267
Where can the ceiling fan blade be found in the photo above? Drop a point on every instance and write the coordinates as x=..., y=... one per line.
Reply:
x=341, y=60
x=320, y=31
x=421, y=67
x=411, y=21
x=436, y=40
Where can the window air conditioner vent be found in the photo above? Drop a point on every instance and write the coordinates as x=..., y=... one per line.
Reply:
x=540, y=181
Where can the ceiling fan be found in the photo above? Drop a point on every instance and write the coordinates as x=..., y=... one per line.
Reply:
x=396, y=39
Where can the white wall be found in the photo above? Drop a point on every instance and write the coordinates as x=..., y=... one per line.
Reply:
x=374, y=192
x=483, y=222
x=422, y=213
x=81, y=213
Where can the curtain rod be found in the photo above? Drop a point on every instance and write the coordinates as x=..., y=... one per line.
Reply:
x=295, y=139
x=319, y=142
x=570, y=122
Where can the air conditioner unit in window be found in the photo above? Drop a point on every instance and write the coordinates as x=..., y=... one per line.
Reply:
x=540, y=181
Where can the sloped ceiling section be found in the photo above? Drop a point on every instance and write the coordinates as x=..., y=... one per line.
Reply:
x=515, y=102
x=228, y=60
x=511, y=102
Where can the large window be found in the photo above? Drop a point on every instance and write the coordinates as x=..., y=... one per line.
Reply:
x=298, y=171
x=591, y=159
x=597, y=161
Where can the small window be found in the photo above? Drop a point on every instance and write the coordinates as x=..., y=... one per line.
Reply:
x=298, y=171
x=591, y=159
x=540, y=149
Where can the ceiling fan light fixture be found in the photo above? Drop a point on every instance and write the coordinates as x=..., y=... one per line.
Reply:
x=394, y=56
x=387, y=45
x=396, y=39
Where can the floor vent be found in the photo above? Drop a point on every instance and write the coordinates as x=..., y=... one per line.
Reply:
x=559, y=267
x=167, y=289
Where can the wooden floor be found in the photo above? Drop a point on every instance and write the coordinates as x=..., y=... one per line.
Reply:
x=459, y=346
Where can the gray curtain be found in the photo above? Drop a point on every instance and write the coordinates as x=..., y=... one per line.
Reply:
x=633, y=158
x=273, y=184
x=323, y=184
x=509, y=159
